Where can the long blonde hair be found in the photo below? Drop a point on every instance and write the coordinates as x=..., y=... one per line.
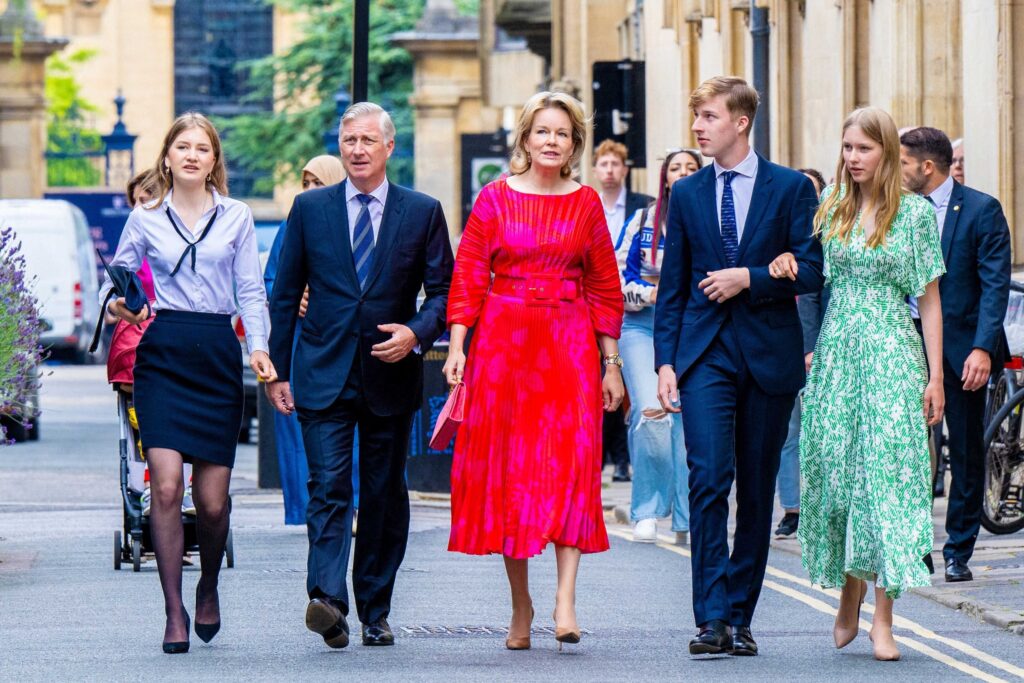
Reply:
x=218, y=178
x=838, y=213
x=520, y=162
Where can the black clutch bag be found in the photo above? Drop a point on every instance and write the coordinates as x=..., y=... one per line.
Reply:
x=127, y=285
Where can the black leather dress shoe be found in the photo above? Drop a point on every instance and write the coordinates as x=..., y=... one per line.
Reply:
x=957, y=571
x=743, y=644
x=378, y=633
x=714, y=638
x=325, y=617
x=928, y=563
x=621, y=472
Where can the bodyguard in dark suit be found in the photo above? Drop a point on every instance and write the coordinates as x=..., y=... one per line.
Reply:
x=366, y=248
x=974, y=291
x=728, y=349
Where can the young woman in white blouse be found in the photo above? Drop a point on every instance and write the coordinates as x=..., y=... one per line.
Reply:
x=201, y=246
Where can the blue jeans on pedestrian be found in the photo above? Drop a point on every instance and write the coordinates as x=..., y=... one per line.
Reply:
x=658, y=453
x=788, y=482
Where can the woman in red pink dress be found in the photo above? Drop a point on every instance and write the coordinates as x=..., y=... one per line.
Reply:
x=527, y=466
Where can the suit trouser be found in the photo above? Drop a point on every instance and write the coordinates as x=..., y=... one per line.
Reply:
x=734, y=431
x=965, y=422
x=384, y=502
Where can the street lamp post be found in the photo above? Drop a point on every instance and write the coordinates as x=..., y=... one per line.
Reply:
x=119, y=150
x=361, y=51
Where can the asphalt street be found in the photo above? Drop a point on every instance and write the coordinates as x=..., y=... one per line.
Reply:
x=65, y=614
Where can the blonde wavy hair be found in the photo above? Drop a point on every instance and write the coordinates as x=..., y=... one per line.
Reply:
x=837, y=215
x=520, y=161
x=218, y=178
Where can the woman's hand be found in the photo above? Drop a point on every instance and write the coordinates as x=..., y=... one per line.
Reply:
x=934, y=402
x=260, y=363
x=612, y=388
x=784, y=265
x=117, y=307
x=454, y=366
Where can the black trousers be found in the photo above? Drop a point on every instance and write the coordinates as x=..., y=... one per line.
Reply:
x=615, y=438
x=328, y=436
x=965, y=422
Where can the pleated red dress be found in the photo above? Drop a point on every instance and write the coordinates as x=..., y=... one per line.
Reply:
x=527, y=464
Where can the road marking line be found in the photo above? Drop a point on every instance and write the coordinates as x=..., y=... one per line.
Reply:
x=666, y=543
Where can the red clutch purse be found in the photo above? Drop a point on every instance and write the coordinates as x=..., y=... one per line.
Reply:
x=450, y=418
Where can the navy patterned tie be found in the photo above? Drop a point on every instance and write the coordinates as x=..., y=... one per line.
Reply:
x=362, y=241
x=730, y=239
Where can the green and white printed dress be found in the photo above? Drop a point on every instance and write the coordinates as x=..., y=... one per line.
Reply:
x=865, y=491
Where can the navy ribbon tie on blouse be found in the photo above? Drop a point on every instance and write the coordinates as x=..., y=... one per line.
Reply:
x=191, y=248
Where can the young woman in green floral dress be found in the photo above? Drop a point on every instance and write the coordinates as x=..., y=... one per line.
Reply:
x=865, y=508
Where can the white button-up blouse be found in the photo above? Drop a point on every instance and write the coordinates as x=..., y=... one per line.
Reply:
x=220, y=275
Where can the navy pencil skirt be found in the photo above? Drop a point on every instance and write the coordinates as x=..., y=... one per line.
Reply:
x=188, y=386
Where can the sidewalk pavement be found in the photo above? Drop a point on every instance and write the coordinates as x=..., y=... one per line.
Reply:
x=995, y=596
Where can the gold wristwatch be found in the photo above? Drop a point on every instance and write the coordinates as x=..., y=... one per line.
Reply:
x=613, y=359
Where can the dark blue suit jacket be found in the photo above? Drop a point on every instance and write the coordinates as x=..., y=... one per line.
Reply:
x=975, y=288
x=765, y=318
x=412, y=251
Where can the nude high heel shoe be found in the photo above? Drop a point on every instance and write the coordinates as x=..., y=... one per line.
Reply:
x=565, y=635
x=519, y=642
x=844, y=636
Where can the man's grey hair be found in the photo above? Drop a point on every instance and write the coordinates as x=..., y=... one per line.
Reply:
x=361, y=109
x=956, y=143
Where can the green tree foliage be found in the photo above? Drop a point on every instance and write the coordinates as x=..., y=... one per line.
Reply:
x=302, y=82
x=67, y=132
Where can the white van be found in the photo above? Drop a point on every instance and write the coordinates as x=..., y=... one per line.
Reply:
x=61, y=264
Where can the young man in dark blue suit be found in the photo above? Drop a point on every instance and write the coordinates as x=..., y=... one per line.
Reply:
x=974, y=291
x=728, y=349
x=366, y=248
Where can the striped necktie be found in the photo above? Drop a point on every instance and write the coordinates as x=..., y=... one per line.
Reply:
x=362, y=241
x=730, y=239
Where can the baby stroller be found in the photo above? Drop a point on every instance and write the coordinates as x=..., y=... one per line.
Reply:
x=135, y=540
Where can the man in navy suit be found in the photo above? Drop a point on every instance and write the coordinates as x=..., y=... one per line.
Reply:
x=728, y=349
x=365, y=247
x=974, y=292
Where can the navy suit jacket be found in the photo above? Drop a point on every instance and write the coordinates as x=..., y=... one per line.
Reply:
x=765, y=318
x=412, y=251
x=975, y=288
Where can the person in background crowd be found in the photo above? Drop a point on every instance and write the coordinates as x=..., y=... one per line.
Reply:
x=974, y=293
x=619, y=202
x=365, y=247
x=727, y=349
x=657, y=450
x=527, y=464
x=957, y=166
x=322, y=171
x=865, y=500
x=811, y=307
x=201, y=246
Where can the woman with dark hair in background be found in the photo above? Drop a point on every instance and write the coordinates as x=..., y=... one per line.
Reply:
x=201, y=246
x=660, y=474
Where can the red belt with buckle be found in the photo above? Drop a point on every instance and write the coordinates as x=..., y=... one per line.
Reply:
x=539, y=290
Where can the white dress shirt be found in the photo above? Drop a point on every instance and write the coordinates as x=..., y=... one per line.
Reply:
x=615, y=217
x=227, y=275
x=742, y=189
x=939, y=199
x=375, y=207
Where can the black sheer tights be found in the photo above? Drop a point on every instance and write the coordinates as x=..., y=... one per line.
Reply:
x=210, y=493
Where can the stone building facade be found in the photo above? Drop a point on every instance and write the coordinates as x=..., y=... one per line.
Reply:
x=953, y=64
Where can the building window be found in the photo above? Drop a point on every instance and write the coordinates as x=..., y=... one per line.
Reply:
x=212, y=38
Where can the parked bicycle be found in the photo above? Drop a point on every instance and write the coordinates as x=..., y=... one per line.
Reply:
x=1003, y=507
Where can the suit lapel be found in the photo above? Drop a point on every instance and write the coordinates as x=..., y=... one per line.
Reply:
x=708, y=200
x=759, y=200
x=336, y=222
x=394, y=209
x=953, y=211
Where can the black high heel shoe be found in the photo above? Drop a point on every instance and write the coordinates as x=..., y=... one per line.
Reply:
x=179, y=647
x=206, y=632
